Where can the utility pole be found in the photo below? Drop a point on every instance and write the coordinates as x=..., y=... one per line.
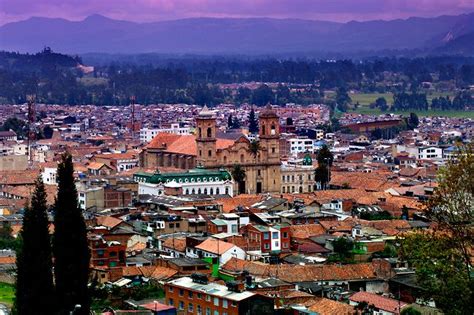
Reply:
x=31, y=126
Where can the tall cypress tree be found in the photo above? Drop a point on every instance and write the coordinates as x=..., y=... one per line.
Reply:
x=70, y=246
x=34, y=284
x=253, y=123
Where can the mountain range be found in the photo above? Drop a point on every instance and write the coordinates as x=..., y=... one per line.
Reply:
x=248, y=36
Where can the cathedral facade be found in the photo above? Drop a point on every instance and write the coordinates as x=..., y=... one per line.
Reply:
x=261, y=163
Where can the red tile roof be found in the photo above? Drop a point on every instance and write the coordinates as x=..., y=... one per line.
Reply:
x=293, y=273
x=380, y=302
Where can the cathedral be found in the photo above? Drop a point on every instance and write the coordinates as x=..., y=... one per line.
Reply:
x=262, y=165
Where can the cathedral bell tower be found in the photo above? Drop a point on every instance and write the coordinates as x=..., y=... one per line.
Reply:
x=269, y=134
x=206, y=138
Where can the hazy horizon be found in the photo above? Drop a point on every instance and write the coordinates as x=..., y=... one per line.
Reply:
x=163, y=10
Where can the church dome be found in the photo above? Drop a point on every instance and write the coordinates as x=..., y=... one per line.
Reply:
x=307, y=160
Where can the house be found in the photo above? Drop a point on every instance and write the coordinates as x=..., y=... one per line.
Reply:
x=106, y=254
x=8, y=135
x=430, y=153
x=199, y=296
x=212, y=248
x=377, y=304
x=274, y=238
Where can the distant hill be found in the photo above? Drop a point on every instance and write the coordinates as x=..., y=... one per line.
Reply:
x=236, y=36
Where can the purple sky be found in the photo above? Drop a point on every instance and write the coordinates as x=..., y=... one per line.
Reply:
x=155, y=10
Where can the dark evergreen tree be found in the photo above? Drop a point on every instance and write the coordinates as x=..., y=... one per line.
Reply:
x=325, y=156
x=235, y=123
x=253, y=123
x=70, y=246
x=34, y=285
x=322, y=175
x=230, y=122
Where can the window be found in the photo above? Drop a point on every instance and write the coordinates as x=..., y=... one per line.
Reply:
x=190, y=307
x=277, y=244
x=224, y=304
x=274, y=235
x=209, y=153
x=199, y=296
x=273, y=149
x=208, y=311
x=285, y=234
x=209, y=132
x=200, y=152
x=171, y=302
x=181, y=305
x=266, y=235
x=199, y=309
x=216, y=312
x=234, y=304
x=208, y=298
x=266, y=246
x=170, y=289
x=285, y=245
x=190, y=294
x=216, y=301
x=181, y=292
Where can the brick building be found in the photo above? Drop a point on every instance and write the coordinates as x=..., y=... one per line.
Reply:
x=198, y=296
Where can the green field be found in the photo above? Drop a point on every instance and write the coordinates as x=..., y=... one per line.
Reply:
x=365, y=99
x=7, y=293
x=422, y=113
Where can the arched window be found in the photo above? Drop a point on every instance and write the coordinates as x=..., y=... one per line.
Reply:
x=199, y=132
x=241, y=158
x=225, y=159
x=186, y=192
x=199, y=191
x=301, y=190
x=193, y=192
x=217, y=191
x=273, y=131
x=205, y=191
x=211, y=191
x=283, y=189
x=227, y=190
x=209, y=132
x=209, y=152
x=263, y=130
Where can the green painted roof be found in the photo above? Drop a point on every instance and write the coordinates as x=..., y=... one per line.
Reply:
x=307, y=160
x=194, y=175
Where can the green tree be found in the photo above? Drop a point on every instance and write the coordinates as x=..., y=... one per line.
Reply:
x=230, y=122
x=342, y=99
x=442, y=257
x=254, y=147
x=238, y=174
x=262, y=95
x=413, y=121
x=410, y=311
x=325, y=156
x=235, y=123
x=15, y=124
x=381, y=103
x=322, y=175
x=253, y=123
x=342, y=248
x=70, y=246
x=34, y=284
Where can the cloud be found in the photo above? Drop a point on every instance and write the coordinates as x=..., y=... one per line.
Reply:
x=154, y=10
